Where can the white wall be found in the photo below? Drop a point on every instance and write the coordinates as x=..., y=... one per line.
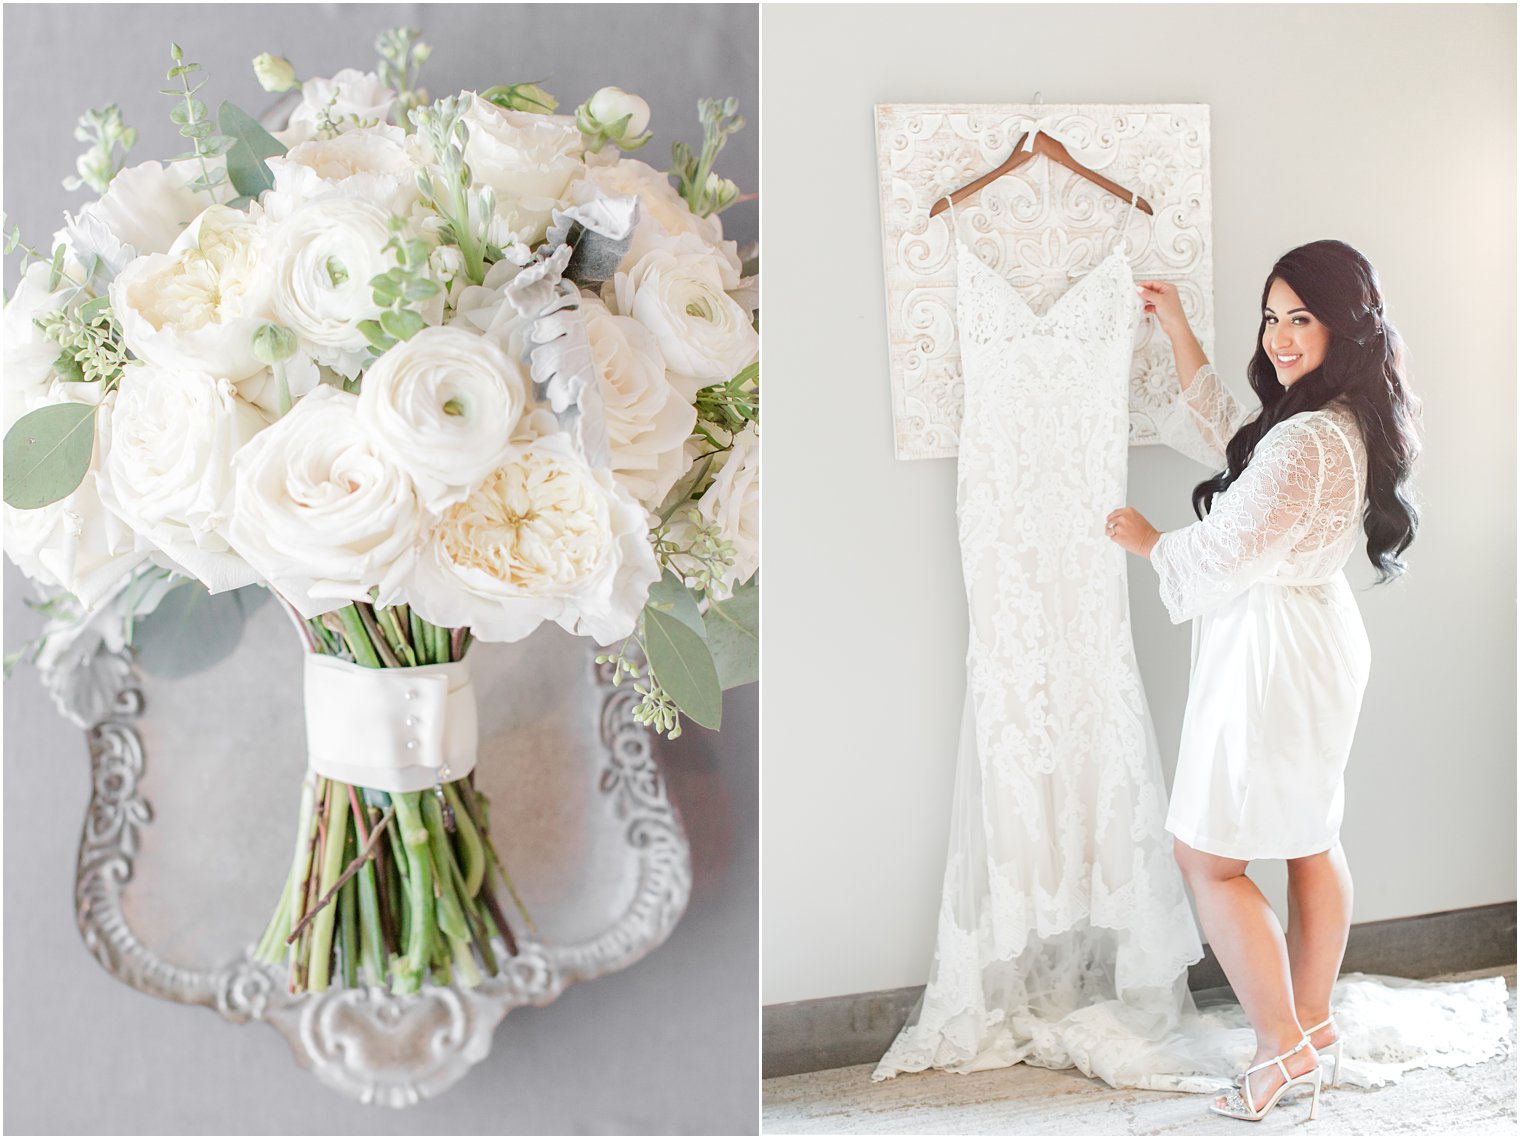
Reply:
x=1390, y=127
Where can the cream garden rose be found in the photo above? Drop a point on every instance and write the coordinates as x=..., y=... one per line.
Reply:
x=732, y=505
x=443, y=404
x=198, y=306
x=145, y=209
x=324, y=255
x=166, y=450
x=545, y=538
x=374, y=165
x=321, y=510
x=647, y=419
x=529, y=160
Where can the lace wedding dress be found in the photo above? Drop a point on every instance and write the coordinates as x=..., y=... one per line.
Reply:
x=1064, y=934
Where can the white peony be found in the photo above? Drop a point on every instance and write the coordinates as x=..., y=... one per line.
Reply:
x=350, y=100
x=705, y=335
x=528, y=160
x=374, y=165
x=663, y=214
x=26, y=357
x=75, y=544
x=443, y=405
x=166, y=451
x=320, y=510
x=198, y=306
x=544, y=538
x=145, y=209
x=324, y=255
x=647, y=420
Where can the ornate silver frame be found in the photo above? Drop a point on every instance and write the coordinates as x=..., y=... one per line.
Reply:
x=367, y=1044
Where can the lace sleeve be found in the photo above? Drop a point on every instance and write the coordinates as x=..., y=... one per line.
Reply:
x=1202, y=419
x=1252, y=525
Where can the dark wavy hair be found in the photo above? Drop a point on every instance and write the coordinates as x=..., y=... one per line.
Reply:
x=1364, y=365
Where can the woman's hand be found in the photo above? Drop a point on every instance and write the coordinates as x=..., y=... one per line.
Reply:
x=1162, y=300
x=1128, y=527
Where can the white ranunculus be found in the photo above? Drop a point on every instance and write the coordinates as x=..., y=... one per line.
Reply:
x=544, y=538
x=144, y=210
x=320, y=509
x=374, y=165
x=443, y=405
x=198, y=306
x=528, y=160
x=350, y=100
x=324, y=255
x=647, y=419
x=75, y=544
x=704, y=334
x=166, y=451
x=663, y=214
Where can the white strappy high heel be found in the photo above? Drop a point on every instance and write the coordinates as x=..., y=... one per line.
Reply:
x=1239, y=1105
x=1335, y=1047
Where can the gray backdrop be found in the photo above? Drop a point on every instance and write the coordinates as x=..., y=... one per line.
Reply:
x=669, y=1045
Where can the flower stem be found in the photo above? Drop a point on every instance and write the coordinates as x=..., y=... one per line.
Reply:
x=326, y=916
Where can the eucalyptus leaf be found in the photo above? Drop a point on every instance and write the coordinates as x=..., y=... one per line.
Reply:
x=246, y=168
x=402, y=323
x=189, y=631
x=682, y=490
x=733, y=636
x=47, y=453
x=93, y=307
x=684, y=667
x=670, y=595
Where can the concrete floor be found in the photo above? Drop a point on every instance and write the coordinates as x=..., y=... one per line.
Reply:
x=1476, y=1100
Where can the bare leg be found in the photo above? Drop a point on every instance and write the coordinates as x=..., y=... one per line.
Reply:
x=1247, y=939
x=1319, y=918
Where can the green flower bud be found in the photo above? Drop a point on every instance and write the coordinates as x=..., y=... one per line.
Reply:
x=274, y=74
x=271, y=344
x=721, y=193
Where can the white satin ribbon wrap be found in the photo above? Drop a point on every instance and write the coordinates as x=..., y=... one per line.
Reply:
x=393, y=729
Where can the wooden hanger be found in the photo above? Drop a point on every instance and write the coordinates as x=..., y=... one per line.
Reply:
x=1051, y=149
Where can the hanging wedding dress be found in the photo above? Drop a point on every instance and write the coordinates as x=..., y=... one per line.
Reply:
x=1064, y=934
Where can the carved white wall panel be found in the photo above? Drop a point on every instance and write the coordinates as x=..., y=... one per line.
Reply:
x=1042, y=227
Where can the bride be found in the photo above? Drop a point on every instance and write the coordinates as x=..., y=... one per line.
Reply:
x=1280, y=654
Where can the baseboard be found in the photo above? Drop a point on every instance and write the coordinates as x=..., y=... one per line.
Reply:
x=836, y=1032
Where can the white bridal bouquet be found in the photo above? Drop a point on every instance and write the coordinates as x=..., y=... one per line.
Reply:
x=428, y=371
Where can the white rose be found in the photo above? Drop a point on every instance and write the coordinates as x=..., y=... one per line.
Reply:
x=198, y=306
x=324, y=255
x=166, y=450
x=350, y=99
x=705, y=335
x=320, y=511
x=374, y=165
x=443, y=405
x=528, y=160
x=75, y=544
x=144, y=210
x=546, y=537
x=647, y=419
x=663, y=213
x=731, y=505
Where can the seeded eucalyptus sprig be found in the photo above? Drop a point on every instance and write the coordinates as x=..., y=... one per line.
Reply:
x=402, y=54
x=104, y=130
x=90, y=343
x=196, y=124
x=703, y=190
